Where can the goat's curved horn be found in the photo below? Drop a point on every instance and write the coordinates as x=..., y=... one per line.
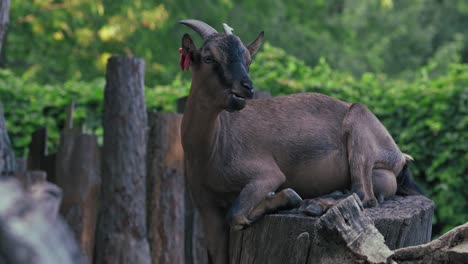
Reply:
x=227, y=29
x=203, y=29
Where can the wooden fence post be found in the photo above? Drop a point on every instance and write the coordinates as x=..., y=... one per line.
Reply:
x=7, y=155
x=165, y=189
x=77, y=170
x=121, y=232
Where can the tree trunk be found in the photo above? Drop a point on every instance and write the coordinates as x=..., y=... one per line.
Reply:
x=345, y=234
x=78, y=174
x=121, y=232
x=4, y=19
x=7, y=156
x=166, y=189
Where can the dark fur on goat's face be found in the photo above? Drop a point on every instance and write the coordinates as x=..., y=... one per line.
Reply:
x=220, y=68
x=226, y=61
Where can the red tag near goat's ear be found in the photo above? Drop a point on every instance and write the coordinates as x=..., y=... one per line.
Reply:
x=184, y=60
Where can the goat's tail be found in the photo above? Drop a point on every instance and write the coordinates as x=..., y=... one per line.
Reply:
x=405, y=183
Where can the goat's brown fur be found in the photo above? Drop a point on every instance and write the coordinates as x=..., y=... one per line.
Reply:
x=309, y=142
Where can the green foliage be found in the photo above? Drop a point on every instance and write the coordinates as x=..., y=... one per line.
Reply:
x=56, y=41
x=29, y=106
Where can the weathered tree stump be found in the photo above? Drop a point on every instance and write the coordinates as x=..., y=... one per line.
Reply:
x=166, y=189
x=345, y=234
x=30, y=231
x=78, y=174
x=121, y=232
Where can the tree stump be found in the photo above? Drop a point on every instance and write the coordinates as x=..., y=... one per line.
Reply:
x=78, y=174
x=166, y=189
x=345, y=234
x=121, y=232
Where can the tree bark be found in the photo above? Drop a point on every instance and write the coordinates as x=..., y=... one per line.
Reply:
x=4, y=19
x=30, y=231
x=121, y=232
x=78, y=174
x=166, y=189
x=7, y=156
x=345, y=234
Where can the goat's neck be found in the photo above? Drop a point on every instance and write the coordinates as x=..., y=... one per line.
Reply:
x=200, y=126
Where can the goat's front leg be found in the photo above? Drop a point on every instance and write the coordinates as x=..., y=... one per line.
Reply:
x=217, y=234
x=242, y=213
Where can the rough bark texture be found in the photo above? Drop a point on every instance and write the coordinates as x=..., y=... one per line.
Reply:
x=451, y=248
x=30, y=231
x=343, y=235
x=7, y=156
x=4, y=19
x=78, y=174
x=121, y=233
x=166, y=189
x=195, y=249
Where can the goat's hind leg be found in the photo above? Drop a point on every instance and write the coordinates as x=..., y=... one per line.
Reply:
x=360, y=126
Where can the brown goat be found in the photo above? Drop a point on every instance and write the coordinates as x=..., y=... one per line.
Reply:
x=311, y=143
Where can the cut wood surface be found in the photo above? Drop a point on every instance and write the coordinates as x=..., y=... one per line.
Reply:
x=166, y=189
x=345, y=234
x=121, y=232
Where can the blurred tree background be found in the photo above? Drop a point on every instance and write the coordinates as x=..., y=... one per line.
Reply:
x=406, y=60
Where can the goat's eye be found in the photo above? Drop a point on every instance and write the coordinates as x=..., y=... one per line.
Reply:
x=208, y=59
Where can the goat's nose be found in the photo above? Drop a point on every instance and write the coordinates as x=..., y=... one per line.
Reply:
x=247, y=84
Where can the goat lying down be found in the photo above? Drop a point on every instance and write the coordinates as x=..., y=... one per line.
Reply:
x=246, y=161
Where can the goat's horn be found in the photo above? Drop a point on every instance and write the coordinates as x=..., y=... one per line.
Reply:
x=227, y=29
x=200, y=27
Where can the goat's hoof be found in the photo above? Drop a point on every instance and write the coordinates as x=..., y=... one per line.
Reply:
x=311, y=208
x=294, y=200
x=369, y=202
x=239, y=222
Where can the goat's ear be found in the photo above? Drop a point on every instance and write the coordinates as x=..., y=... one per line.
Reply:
x=186, y=51
x=255, y=45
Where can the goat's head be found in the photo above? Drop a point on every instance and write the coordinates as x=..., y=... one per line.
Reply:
x=221, y=66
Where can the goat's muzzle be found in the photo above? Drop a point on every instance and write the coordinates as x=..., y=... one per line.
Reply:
x=244, y=89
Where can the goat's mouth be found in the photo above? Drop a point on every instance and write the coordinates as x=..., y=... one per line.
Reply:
x=238, y=96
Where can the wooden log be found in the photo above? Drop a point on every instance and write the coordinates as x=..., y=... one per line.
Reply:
x=29, y=231
x=4, y=19
x=121, y=232
x=166, y=189
x=195, y=248
x=78, y=174
x=7, y=156
x=37, y=149
x=343, y=235
x=451, y=247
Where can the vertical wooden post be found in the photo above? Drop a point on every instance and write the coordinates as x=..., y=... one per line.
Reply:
x=7, y=156
x=166, y=189
x=121, y=232
x=78, y=174
x=195, y=249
